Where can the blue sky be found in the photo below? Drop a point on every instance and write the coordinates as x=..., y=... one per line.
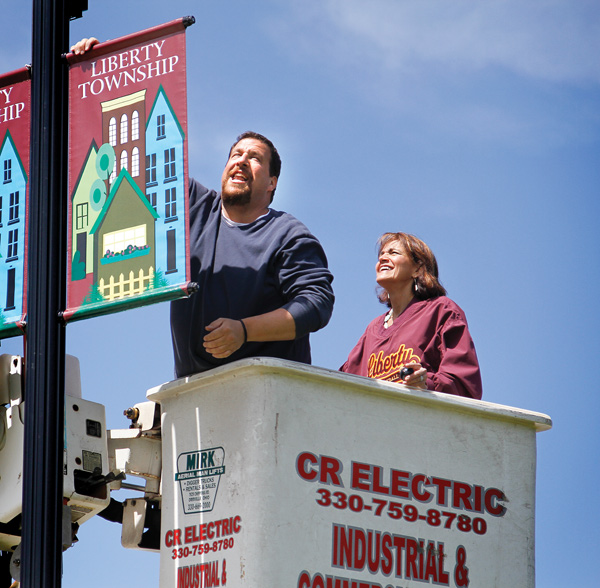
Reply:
x=475, y=126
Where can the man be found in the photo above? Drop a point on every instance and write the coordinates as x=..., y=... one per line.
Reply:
x=263, y=278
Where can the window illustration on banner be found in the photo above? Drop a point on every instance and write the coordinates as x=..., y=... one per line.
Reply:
x=15, y=102
x=128, y=179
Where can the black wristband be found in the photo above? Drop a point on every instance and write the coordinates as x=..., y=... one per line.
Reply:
x=245, y=331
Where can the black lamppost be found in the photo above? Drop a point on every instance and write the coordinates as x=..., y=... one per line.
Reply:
x=41, y=546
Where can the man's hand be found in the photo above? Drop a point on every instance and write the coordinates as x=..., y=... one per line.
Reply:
x=227, y=335
x=224, y=337
x=84, y=45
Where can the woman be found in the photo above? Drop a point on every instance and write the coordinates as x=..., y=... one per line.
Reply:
x=423, y=330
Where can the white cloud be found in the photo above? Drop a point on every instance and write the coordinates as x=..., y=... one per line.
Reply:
x=556, y=40
x=519, y=72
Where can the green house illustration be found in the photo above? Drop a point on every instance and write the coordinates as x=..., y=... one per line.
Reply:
x=124, y=238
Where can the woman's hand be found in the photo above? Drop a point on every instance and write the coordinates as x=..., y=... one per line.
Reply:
x=418, y=379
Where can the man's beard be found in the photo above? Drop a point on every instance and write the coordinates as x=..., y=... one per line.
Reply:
x=234, y=197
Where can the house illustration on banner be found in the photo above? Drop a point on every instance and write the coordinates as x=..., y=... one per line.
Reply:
x=125, y=225
x=13, y=187
x=124, y=230
x=164, y=184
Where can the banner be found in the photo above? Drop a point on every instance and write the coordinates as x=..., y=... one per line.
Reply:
x=15, y=111
x=128, y=178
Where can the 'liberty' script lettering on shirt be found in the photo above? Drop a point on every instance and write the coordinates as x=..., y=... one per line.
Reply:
x=388, y=367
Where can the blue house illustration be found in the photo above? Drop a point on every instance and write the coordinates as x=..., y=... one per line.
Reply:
x=165, y=187
x=13, y=187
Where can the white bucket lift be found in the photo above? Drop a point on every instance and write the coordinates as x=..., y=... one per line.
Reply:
x=277, y=474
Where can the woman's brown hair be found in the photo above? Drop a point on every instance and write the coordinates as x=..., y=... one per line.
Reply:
x=427, y=283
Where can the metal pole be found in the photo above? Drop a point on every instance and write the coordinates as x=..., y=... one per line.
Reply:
x=41, y=546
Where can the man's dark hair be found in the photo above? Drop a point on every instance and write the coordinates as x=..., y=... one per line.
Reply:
x=275, y=160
